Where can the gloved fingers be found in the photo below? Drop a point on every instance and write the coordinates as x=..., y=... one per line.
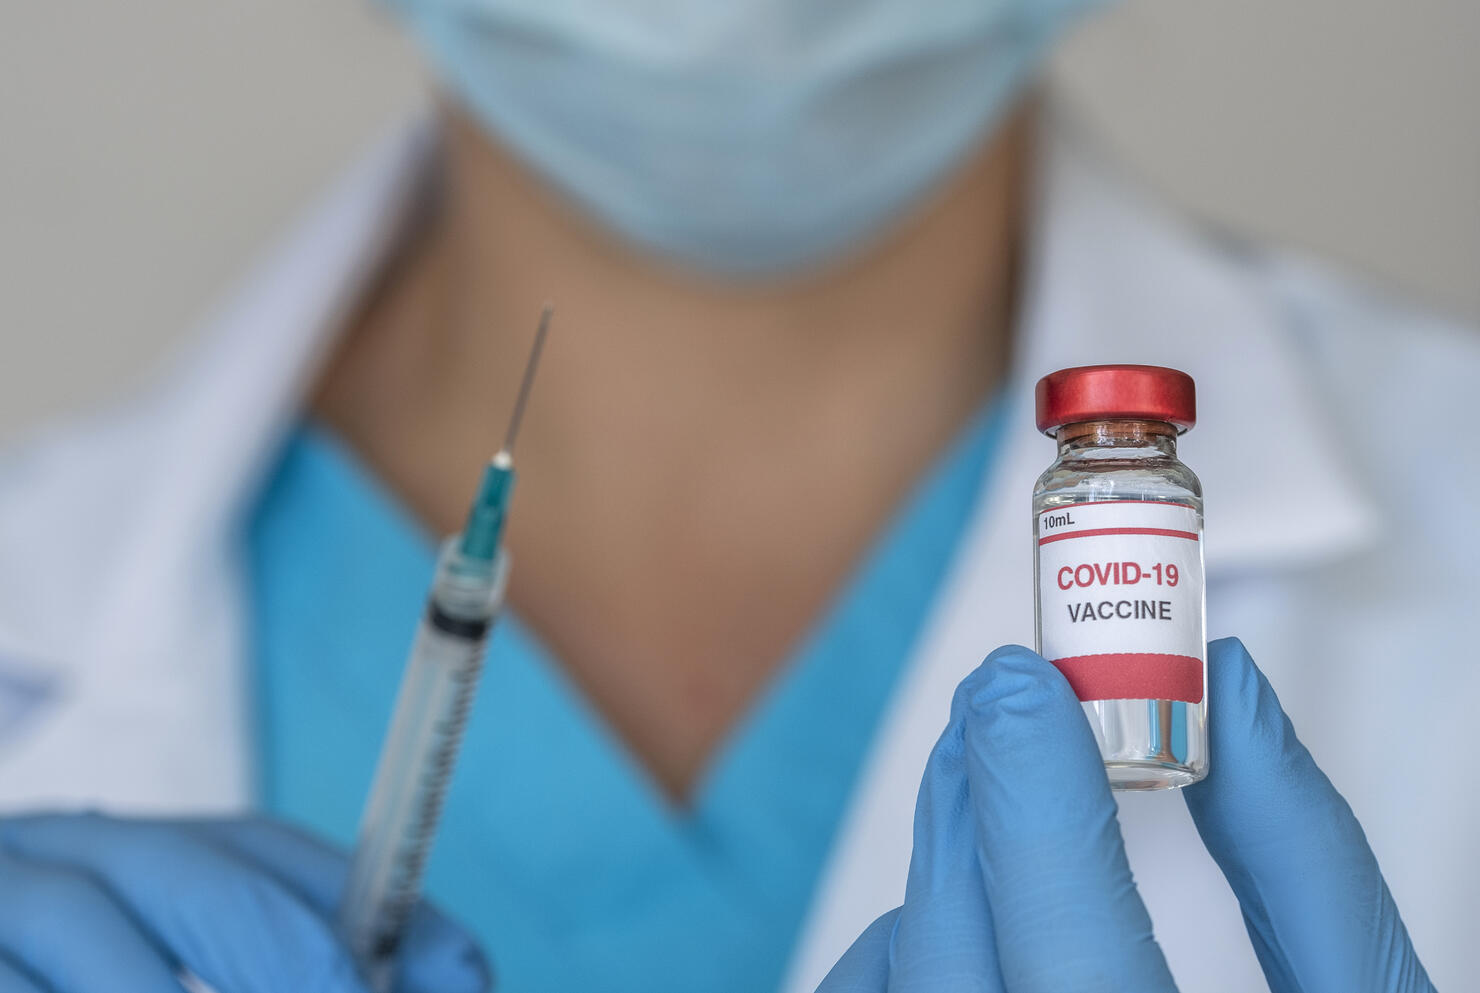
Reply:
x=15, y=979
x=1065, y=908
x=238, y=929
x=309, y=866
x=60, y=928
x=943, y=937
x=436, y=953
x=864, y=967
x=1314, y=901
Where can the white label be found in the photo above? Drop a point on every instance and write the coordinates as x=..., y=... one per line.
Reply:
x=1120, y=595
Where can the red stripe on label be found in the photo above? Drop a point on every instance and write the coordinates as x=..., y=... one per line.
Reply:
x=1096, y=532
x=1134, y=676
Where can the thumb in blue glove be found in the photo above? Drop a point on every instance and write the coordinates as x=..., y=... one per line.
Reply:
x=1314, y=902
x=1019, y=882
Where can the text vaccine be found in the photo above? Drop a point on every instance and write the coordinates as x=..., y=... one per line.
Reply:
x=1117, y=528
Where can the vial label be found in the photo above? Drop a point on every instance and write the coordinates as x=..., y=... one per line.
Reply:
x=1120, y=594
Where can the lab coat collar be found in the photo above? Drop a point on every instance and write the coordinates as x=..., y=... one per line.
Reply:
x=254, y=371
x=1117, y=278
x=147, y=501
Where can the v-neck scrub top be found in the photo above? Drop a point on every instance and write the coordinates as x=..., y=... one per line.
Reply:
x=556, y=848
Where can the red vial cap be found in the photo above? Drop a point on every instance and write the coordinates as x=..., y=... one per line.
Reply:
x=1101, y=392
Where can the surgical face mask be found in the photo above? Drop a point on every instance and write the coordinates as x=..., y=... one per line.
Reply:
x=744, y=137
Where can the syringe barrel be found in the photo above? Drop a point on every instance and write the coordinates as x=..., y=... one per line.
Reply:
x=400, y=818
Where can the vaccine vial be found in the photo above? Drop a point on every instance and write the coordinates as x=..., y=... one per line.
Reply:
x=1117, y=531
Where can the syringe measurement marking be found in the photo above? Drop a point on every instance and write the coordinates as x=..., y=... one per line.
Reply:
x=410, y=860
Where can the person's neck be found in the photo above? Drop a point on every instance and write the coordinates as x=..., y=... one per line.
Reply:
x=702, y=464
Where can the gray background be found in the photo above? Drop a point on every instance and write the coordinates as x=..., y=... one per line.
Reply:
x=152, y=149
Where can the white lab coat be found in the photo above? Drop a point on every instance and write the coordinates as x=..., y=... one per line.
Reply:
x=1334, y=447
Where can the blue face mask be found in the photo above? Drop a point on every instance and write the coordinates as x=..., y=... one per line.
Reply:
x=744, y=137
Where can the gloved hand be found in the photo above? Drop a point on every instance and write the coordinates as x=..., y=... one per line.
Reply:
x=91, y=903
x=1019, y=882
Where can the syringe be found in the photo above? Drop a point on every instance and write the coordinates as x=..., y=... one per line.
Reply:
x=400, y=817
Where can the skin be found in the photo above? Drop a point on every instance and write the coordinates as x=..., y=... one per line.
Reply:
x=702, y=464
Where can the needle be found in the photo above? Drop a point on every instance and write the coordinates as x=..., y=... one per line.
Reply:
x=524, y=385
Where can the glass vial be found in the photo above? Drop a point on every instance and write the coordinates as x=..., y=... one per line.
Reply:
x=1117, y=533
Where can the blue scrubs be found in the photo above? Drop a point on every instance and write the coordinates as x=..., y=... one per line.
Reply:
x=556, y=848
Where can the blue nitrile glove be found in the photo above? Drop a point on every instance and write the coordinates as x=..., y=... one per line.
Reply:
x=91, y=903
x=1019, y=881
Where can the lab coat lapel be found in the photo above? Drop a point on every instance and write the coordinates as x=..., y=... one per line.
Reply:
x=155, y=667
x=1110, y=279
